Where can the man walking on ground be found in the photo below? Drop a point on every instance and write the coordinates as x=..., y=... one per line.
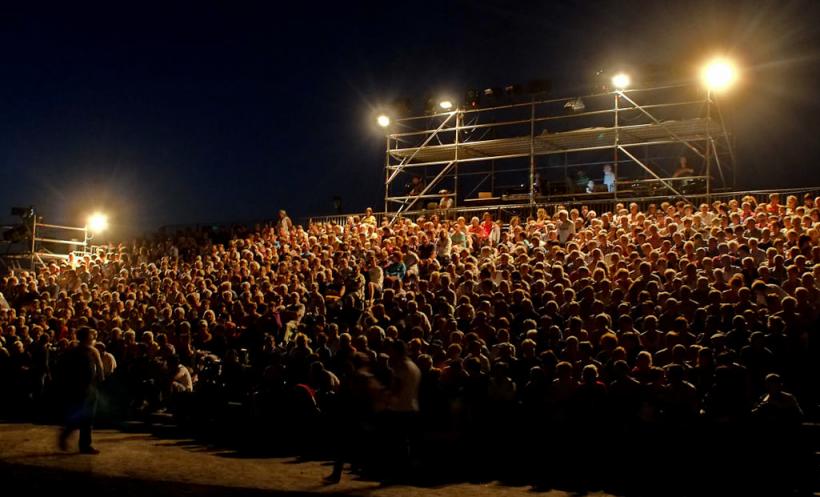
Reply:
x=82, y=372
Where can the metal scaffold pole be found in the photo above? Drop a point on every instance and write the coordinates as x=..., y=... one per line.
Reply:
x=459, y=117
x=708, y=154
x=386, y=171
x=615, y=148
x=33, y=239
x=532, y=154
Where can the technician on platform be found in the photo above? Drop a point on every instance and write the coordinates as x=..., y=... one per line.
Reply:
x=684, y=169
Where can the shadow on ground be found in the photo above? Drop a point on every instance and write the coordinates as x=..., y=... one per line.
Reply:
x=31, y=480
x=578, y=470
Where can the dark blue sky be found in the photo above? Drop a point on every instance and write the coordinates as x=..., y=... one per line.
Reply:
x=226, y=111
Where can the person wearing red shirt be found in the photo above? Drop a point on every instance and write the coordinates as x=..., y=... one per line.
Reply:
x=486, y=226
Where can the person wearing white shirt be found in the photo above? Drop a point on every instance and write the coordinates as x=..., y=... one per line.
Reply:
x=406, y=380
x=609, y=178
x=403, y=406
x=565, y=227
x=181, y=380
x=375, y=274
x=108, y=360
x=495, y=233
x=444, y=245
x=706, y=216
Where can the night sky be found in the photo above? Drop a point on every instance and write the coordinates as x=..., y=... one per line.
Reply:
x=211, y=112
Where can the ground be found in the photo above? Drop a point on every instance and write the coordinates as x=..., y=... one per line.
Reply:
x=143, y=464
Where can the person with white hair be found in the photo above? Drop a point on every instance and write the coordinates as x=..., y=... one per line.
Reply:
x=284, y=224
x=565, y=227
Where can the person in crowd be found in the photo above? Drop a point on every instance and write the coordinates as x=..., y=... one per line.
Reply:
x=284, y=224
x=82, y=370
x=402, y=406
x=778, y=407
x=397, y=269
x=369, y=219
x=564, y=227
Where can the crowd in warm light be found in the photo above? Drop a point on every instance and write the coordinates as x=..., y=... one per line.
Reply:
x=569, y=326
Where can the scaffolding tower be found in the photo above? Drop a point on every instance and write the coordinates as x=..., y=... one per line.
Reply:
x=45, y=243
x=526, y=152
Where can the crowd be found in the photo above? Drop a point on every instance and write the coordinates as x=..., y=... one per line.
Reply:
x=562, y=331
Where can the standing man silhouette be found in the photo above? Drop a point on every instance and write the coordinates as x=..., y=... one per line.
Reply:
x=82, y=371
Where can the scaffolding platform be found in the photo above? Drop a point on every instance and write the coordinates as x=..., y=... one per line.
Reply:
x=697, y=129
x=559, y=146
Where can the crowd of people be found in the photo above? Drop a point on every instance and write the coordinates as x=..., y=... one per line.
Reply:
x=562, y=331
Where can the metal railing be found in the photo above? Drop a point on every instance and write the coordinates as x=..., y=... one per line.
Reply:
x=505, y=211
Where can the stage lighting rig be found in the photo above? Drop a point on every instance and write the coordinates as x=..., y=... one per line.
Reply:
x=97, y=223
x=621, y=81
x=719, y=74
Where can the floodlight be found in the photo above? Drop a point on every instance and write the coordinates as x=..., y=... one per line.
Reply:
x=383, y=121
x=621, y=81
x=446, y=104
x=719, y=74
x=97, y=222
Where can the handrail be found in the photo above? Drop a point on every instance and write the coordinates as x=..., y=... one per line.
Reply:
x=54, y=240
x=395, y=136
x=579, y=199
x=57, y=226
x=548, y=101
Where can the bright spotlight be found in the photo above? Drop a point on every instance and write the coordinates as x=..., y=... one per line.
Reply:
x=621, y=81
x=383, y=121
x=97, y=222
x=719, y=74
x=446, y=104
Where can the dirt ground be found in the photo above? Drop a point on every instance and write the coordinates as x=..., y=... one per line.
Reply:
x=142, y=464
